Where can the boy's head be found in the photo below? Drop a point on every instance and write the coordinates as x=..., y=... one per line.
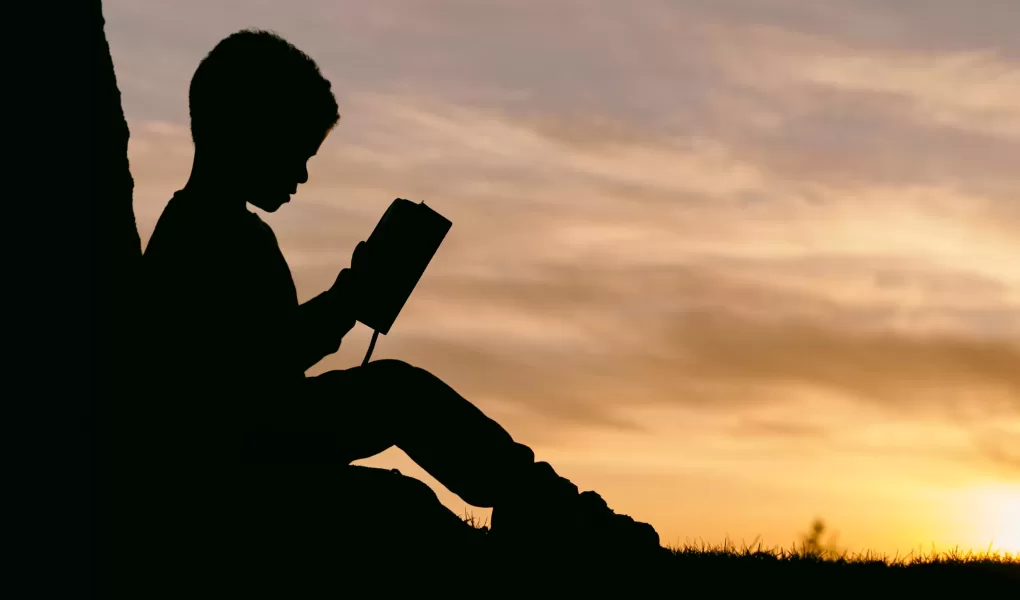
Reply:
x=260, y=108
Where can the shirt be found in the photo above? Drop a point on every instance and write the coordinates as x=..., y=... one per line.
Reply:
x=229, y=340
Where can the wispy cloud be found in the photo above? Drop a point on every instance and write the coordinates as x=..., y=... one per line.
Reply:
x=583, y=267
x=970, y=91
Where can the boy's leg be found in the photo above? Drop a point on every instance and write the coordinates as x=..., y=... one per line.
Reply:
x=353, y=414
x=357, y=413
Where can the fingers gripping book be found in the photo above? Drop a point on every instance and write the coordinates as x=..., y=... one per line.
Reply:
x=398, y=251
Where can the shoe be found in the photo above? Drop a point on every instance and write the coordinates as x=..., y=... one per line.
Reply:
x=548, y=515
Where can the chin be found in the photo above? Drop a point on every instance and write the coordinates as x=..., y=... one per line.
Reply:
x=270, y=205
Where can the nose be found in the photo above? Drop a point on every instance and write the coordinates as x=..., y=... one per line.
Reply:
x=303, y=174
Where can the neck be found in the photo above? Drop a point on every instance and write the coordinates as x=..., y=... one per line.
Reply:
x=215, y=182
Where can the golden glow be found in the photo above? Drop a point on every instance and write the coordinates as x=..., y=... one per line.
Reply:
x=999, y=511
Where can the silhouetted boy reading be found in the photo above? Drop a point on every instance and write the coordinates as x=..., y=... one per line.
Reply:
x=232, y=343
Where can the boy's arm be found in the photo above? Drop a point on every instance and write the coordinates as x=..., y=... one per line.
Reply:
x=322, y=322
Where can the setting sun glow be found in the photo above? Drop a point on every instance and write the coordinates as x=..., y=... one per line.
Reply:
x=999, y=508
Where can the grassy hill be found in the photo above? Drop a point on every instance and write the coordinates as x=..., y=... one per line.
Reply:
x=729, y=570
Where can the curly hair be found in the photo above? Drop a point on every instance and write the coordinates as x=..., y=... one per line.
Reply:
x=254, y=80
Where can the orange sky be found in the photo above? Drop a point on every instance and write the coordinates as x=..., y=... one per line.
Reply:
x=733, y=264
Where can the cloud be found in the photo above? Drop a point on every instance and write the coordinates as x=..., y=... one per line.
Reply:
x=970, y=91
x=784, y=430
x=1000, y=445
x=666, y=270
x=852, y=93
x=712, y=344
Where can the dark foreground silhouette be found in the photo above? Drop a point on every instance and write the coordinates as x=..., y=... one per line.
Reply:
x=215, y=495
x=240, y=426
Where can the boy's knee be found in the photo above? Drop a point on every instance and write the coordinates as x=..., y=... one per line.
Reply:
x=388, y=365
x=397, y=371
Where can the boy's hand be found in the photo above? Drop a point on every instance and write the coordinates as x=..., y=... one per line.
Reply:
x=345, y=288
x=360, y=260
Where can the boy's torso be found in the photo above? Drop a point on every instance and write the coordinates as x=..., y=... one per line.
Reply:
x=209, y=271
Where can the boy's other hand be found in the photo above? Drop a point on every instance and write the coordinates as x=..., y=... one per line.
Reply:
x=344, y=283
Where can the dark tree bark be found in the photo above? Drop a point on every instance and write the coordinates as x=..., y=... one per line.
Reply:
x=122, y=424
x=70, y=283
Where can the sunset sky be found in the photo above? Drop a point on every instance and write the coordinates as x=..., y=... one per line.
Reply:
x=734, y=264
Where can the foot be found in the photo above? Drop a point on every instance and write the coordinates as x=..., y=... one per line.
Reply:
x=549, y=514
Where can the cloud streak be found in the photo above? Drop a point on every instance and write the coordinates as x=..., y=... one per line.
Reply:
x=647, y=260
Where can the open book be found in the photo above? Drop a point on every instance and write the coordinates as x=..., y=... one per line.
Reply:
x=401, y=246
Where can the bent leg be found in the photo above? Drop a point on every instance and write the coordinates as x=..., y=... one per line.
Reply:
x=356, y=413
x=362, y=411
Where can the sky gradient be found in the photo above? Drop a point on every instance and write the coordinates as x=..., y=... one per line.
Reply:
x=734, y=264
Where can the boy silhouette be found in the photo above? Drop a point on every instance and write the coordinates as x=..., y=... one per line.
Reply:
x=231, y=342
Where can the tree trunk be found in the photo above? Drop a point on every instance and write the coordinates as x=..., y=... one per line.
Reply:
x=125, y=555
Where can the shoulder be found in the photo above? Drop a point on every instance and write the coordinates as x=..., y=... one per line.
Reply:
x=185, y=235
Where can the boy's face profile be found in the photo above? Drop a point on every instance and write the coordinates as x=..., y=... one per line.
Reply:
x=271, y=167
